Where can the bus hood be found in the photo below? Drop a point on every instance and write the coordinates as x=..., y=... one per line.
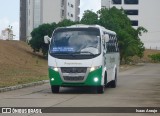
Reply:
x=74, y=63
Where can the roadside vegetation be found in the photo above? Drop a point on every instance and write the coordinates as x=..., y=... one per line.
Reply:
x=113, y=19
x=18, y=64
x=147, y=57
x=155, y=57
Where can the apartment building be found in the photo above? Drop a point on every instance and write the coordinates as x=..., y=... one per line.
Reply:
x=7, y=34
x=131, y=8
x=23, y=20
x=141, y=13
x=46, y=11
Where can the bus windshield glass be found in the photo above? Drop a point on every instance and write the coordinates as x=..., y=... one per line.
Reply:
x=75, y=41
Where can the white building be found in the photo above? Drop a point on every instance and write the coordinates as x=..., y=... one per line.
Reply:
x=46, y=11
x=72, y=10
x=142, y=13
x=6, y=34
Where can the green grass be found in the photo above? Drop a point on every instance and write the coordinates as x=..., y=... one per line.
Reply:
x=19, y=65
x=13, y=77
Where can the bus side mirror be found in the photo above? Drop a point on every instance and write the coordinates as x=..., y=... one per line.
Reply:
x=47, y=39
x=104, y=51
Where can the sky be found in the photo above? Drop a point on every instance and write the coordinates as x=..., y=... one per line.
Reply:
x=9, y=13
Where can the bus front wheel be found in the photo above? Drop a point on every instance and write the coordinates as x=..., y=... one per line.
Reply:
x=55, y=89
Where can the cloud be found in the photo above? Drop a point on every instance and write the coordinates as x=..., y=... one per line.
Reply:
x=5, y=22
x=93, y=5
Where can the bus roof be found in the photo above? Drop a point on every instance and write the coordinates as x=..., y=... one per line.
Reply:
x=92, y=26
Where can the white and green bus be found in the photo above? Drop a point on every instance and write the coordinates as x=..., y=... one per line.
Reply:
x=83, y=56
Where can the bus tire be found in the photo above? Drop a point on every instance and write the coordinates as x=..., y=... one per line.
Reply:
x=55, y=89
x=105, y=80
x=113, y=83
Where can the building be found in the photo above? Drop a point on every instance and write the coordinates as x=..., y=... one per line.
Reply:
x=23, y=5
x=36, y=12
x=141, y=13
x=131, y=8
x=7, y=34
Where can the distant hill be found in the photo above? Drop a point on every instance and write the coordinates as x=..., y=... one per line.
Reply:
x=19, y=65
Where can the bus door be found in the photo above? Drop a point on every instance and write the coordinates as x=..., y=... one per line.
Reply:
x=107, y=56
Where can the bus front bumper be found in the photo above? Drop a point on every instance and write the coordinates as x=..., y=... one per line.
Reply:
x=93, y=78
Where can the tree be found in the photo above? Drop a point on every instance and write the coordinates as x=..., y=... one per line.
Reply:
x=37, y=41
x=89, y=18
x=65, y=23
x=128, y=37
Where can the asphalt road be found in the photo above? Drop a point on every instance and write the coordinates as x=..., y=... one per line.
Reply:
x=137, y=87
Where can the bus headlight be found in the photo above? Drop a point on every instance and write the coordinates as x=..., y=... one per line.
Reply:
x=54, y=68
x=96, y=79
x=94, y=68
x=52, y=79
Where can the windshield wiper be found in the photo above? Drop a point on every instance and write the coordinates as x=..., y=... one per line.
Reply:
x=88, y=52
x=60, y=53
x=74, y=53
x=79, y=53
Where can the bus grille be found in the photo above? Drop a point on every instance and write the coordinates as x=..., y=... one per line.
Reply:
x=76, y=78
x=73, y=69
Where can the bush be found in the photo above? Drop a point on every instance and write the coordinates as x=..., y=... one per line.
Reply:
x=155, y=57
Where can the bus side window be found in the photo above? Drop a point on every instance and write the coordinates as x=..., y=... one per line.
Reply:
x=105, y=40
x=108, y=46
x=116, y=45
x=111, y=45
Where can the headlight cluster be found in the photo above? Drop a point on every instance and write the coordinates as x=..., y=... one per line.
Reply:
x=54, y=68
x=94, y=68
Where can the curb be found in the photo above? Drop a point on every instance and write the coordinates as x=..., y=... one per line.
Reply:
x=11, y=88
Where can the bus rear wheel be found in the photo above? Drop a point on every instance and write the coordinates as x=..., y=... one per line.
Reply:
x=113, y=83
x=55, y=89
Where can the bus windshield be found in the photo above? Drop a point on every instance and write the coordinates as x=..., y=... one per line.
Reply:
x=75, y=41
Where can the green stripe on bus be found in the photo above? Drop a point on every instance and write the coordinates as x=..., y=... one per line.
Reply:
x=56, y=76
